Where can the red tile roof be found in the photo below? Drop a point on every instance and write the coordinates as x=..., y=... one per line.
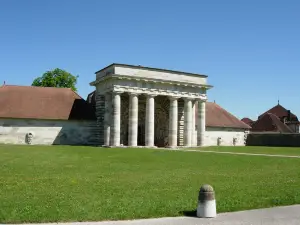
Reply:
x=43, y=103
x=216, y=116
x=281, y=112
x=269, y=122
x=247, y=121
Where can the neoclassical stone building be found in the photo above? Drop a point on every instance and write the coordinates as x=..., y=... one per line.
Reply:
x=142, y=106
x=132, y=105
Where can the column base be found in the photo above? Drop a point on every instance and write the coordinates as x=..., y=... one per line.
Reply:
x=128, y=146
x=113, y=146
x=150, y=146
x=175, y=146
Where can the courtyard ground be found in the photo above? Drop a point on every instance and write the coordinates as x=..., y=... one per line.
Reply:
x=68, y=183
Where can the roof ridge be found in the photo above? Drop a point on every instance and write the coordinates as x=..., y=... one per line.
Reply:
x=30, y=86
x=76, y=93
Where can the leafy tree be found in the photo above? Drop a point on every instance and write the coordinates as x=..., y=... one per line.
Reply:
x=56, y=78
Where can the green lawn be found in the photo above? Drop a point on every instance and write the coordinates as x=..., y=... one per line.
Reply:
x=64, y=183
x=257, y=149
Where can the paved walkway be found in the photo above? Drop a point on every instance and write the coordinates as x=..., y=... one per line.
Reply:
x=236, y=153
x=288, y=215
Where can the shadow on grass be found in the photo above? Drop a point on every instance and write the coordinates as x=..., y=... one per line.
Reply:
x=191, y=213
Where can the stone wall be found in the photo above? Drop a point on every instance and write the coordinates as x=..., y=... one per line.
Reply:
x=47, y=132
x=273, y=139
x=180, y=128
x=226, y=134
x=99, y=124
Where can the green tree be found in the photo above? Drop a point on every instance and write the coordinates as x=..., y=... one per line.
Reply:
x=56, y=78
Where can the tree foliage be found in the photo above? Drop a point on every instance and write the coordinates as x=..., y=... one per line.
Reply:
x=56, y=78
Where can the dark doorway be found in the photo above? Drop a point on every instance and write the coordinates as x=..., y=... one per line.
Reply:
x=141, y=135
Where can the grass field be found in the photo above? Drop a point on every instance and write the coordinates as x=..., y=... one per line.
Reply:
x=64, y=183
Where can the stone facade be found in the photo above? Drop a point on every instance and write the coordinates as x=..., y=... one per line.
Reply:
x=47, y=132
x=131, y=106
x=215, y=136
x=150, y=107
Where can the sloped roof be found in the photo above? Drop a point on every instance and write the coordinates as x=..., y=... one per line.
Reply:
x=270, y=122
x=43, y=103
x=216, y=116
x=280, y=112
x=247, y=120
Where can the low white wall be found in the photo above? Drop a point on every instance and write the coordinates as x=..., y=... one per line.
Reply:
x=47, y=132
x=227, y=134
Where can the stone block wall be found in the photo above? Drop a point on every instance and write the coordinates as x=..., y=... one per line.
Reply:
x=47, y=132
x=99, y=124
x=226, y=134
x=180, y=129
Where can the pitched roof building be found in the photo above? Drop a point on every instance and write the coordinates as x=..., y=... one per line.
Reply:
x=283, y=114
x=216, y=116
x=269, y=122
x=43, y=103
x=45, y=116
x=276, y=119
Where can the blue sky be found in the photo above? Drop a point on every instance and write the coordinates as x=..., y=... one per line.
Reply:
x=249, y=49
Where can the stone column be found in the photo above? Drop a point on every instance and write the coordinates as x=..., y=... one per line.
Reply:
x=107, y=119
x=116, y=114
x=188, y=122
x=173, y=121
x=133, y=119
x=201, y=123
x=194, y=136
x=149, y=123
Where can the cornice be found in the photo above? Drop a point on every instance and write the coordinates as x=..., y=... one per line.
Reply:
x=150, y=80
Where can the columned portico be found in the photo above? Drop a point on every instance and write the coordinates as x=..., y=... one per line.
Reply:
x=145, y=119
x=133, y=119
x=149, y=125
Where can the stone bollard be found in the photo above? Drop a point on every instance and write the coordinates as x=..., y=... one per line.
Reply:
x=206, y=202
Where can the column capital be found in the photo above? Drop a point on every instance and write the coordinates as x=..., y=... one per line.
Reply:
x=151, y=95
x=188, y=99
x=133, y=93
x=117, y=92
x=174, y=97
